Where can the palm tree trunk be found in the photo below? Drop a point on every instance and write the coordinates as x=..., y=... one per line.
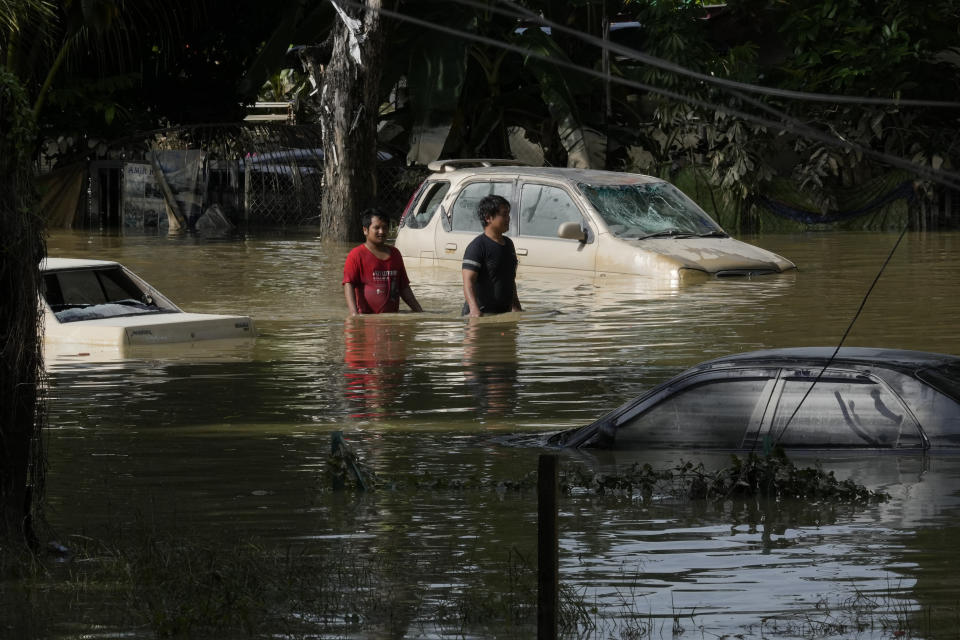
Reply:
x=349, y=112
x=21, y=363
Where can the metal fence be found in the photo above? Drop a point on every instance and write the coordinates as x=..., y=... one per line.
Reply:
x=268, y=174
x=292, y=192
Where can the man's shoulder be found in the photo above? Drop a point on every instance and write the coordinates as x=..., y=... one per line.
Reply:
x=354, y=266
x=396, y=258
x=477, y=243
x=354, y=258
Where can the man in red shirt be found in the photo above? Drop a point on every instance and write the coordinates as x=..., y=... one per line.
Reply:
x=374, y=279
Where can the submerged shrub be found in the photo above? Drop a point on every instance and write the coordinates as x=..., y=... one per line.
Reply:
x=772, y=476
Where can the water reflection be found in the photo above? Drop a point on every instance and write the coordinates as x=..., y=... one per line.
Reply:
x=490, y=364
x=375, y=359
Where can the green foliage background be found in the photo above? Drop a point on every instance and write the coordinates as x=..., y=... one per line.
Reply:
x=481, y=71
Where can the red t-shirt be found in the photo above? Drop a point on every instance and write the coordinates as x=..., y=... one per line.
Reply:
x=377, y=283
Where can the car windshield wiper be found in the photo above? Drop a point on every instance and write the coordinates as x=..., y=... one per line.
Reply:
x=714, y=234
x=666, y=233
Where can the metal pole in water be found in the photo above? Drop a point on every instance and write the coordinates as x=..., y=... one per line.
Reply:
x=548, y=577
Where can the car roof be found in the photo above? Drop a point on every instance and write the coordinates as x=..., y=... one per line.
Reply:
x=900, y=360
x=457, y=172
x=874, y=356
x=56, y=264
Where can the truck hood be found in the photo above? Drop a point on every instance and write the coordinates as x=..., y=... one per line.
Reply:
x=715, y=256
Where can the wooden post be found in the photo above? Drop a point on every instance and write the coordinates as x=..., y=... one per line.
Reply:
x=548, y=578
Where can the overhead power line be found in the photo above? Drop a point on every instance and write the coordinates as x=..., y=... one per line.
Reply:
x=666, y=65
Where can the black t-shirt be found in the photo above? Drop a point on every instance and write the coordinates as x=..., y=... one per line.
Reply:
x=497, y=267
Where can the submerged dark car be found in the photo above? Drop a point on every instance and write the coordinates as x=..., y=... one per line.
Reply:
x=799, y=398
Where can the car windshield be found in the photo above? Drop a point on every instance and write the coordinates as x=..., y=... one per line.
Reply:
x=649, y=210
x=88, y=294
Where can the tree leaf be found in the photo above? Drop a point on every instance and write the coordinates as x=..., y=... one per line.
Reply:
x=585, y=146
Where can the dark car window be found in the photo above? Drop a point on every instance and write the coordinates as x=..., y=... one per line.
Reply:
x=842, y=411
x=465, y=208
x=945, y=379
x=544, y=208
x=89, y=286
x=930, y=403
x=714, y=413
x=86, y=294
x=427, y=205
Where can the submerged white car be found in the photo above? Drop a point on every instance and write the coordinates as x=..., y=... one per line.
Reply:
x=102, y=303
x=576, y=220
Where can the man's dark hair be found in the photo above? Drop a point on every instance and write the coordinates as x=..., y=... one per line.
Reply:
x=367, y=217
x=489, y=206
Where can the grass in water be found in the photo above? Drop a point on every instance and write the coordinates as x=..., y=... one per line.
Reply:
x=161, y=586
x=146, y=584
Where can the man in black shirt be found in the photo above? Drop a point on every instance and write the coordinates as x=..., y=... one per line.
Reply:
x=490, y=263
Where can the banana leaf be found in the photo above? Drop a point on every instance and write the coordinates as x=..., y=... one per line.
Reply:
x=560, y=89
x=435, y=75
x=295, y=26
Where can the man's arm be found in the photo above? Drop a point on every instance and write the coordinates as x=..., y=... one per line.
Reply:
x=351, y=274
x=351, y=297
x=470, y=278
x=515, y=305
x=406, y=293
x=407, y=296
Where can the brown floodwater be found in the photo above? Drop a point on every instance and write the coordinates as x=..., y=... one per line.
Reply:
x=235, y=438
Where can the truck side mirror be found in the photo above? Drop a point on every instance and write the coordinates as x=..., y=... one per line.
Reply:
x=572, y=231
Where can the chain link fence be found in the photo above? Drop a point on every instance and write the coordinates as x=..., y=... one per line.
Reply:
x=265, y=174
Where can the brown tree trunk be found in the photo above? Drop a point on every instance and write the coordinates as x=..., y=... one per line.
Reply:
x=349, y=96
x=21, y=362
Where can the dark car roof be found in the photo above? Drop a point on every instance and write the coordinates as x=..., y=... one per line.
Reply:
x=911, y=363
x=887, y=358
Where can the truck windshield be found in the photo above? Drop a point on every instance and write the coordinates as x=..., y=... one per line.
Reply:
x=646, y=210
